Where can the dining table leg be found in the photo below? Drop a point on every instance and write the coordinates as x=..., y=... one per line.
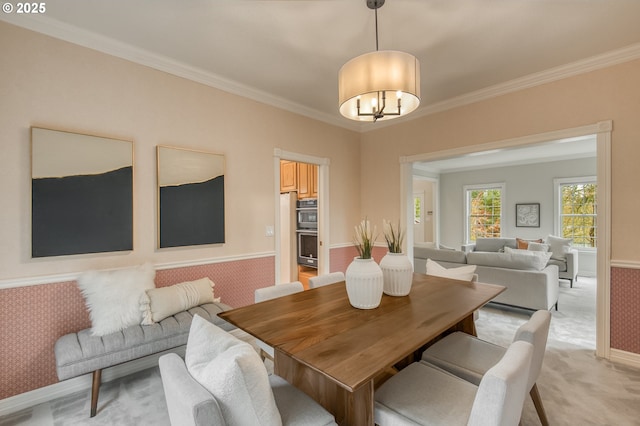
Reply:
x=350, y=408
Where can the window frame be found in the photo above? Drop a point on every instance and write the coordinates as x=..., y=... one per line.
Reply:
x=557, y=203
x=502, y=186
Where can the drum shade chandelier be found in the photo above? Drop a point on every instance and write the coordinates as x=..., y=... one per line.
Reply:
x=380, y=85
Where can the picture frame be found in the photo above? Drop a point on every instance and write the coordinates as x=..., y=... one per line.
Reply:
x=81, y=193
x=528, y=215
x=191, y=208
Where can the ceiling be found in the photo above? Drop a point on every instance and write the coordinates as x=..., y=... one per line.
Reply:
x=288, y=53
x=562, y=149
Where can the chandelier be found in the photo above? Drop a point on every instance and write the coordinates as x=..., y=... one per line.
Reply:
x=380, y=85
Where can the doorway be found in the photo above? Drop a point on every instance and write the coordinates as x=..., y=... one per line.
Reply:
x=602, y=132
x=314, y=186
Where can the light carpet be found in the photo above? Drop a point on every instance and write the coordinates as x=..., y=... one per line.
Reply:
x=576, y=387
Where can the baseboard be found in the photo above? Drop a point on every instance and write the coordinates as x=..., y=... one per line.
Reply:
x=77, y=384
x=623, y=357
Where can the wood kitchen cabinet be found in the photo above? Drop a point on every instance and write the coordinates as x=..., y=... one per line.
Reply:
x=288, y=176
x=307, y=180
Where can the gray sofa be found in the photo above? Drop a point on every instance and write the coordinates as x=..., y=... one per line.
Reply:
x=525, y=288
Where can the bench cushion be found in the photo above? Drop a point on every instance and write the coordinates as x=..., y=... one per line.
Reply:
x=80, y=353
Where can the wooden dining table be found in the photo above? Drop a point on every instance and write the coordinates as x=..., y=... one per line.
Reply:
x=338, y=354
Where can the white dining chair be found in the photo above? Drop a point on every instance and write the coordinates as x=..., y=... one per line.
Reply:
x=469, y=358
x=326, y=279
x=425, y=394
x=273, y=292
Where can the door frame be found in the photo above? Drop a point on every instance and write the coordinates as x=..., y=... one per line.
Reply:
x=602, y=130
x=323, y=207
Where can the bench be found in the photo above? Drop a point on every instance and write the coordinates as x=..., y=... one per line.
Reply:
x=81, y=353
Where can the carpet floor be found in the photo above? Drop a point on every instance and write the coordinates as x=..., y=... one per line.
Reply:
x=576, y=387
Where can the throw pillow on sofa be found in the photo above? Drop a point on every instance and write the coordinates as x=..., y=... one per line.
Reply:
x=159, y=303
x=524, y=244
x=463, y=273
x=113, y=297
x=559, y=247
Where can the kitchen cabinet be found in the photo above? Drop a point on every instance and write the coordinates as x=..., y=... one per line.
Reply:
x=307, y=180
x=288, y=176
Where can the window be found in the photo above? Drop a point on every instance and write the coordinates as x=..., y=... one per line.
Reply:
x=483, y=205
x=417, y=208
x=577, y=210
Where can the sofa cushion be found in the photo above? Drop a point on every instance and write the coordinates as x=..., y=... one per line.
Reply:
x=494, y=244
x=158, y=303
x=559, y=247
x=463, y=273
x=561, y=264
x=113, y=297
x=511, y=259
x=524, y=244
x=452, y=256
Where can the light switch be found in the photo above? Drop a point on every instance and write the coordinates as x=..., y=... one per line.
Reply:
x=269, y=231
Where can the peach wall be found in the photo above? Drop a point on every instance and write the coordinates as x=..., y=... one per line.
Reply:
x=54, y=84
x=50, y=83
x=608, y=94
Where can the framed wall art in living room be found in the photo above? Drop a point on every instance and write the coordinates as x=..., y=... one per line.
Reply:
x=528, y=215
x=190, y=197
x=81, y=193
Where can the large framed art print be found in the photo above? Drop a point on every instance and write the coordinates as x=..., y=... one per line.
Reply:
x=190, y=197
x=81, y=193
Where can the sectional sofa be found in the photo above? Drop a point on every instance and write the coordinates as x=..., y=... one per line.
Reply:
x=532, y=281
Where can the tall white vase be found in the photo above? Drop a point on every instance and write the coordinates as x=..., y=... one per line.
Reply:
x=364, y=283
x=398, y=274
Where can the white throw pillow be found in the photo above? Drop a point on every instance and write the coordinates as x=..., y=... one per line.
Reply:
x=526, y=259
x=533, y=246
x=234, y=374
x=463, y=273
x=113, y=297
x=159, y=303
x=559, y=247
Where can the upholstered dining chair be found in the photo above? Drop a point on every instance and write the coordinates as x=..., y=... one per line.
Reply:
x=273, y=292
x=468, y=357
x=326, y=279
x=425, y=394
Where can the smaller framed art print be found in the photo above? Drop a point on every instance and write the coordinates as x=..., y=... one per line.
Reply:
x=528, y=215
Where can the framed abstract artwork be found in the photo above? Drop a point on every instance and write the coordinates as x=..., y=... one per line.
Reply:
x=528, y=215
x=190, y=197
x=81, y=193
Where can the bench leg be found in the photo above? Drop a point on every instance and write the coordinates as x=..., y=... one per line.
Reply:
x=95, y=390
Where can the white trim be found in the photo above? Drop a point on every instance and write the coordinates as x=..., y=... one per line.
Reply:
x=603, y=255
x=51, y=27
x=72, y=276
x=627, y=264
x=583, y=66
x=67, y=387
x=626, y=358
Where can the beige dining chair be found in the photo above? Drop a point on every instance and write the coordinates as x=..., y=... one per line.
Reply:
x=273, y=292
x=469, y=358
x=326, y=279
x=425, y=394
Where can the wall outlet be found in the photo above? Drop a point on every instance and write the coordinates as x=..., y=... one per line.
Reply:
x=269, y=231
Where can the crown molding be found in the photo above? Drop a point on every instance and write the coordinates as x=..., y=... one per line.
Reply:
x=583, y=66
x=69, y=33
x=56, y=29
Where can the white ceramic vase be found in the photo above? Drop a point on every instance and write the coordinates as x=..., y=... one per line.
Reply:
x=364, y=283
x=398, y=274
